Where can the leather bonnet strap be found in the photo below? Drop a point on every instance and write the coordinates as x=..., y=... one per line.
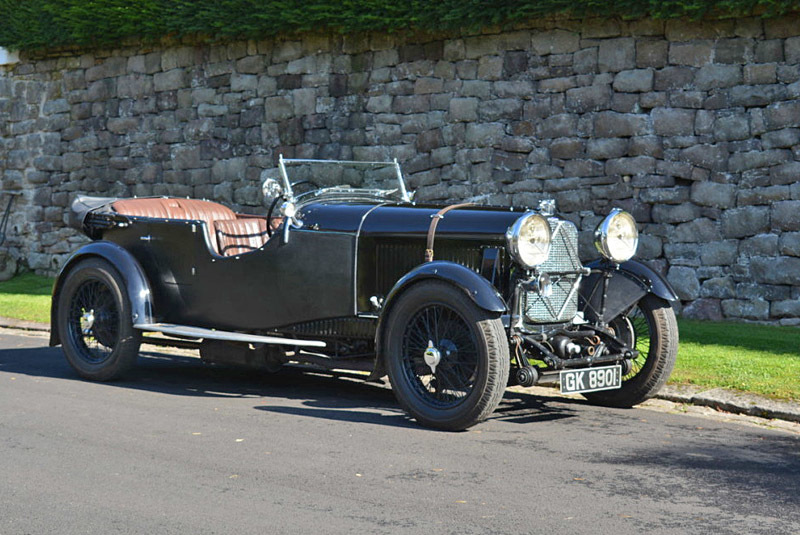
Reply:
x=435, y=222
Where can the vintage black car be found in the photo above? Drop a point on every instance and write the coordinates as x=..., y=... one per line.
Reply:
x=344, y=271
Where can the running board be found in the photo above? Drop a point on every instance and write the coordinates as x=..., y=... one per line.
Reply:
x=198, y=332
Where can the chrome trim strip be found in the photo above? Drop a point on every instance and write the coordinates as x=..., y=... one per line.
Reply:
x=199, y=332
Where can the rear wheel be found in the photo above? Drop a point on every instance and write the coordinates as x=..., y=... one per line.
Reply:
x=447, y=359
x=650, y=328
x=94, y=322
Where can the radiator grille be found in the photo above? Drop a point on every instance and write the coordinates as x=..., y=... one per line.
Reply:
x=563, y=266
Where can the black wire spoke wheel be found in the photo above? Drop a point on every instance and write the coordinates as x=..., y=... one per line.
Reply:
x=94, y=322
x=447, y=359
x=441, y=334
x=650, y=328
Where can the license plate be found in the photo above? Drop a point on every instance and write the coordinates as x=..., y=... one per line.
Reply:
x=590, y=379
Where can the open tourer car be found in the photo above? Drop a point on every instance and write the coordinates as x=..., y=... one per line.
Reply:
x=344, y=271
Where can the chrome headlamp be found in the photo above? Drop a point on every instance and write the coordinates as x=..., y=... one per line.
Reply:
x=616, y=237
x=529, y=239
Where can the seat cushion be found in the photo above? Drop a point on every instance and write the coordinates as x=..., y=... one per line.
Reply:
x=238, y=236
x=174, y=208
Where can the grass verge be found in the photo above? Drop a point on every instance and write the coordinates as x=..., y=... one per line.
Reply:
x=26, y=297
x=760, y=359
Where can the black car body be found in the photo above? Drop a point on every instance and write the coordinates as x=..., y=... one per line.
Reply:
x=443, y=300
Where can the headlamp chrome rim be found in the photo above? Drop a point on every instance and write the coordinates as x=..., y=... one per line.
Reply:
x=605, y=233
x=513, y=240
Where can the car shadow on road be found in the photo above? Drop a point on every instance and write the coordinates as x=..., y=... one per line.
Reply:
x=322, y=394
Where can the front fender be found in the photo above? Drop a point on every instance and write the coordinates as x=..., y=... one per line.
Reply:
x=476, y=287
x=628, y=282
x=136, y=283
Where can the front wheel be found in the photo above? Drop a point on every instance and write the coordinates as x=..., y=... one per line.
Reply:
x=94, y=322
x=447, y=359
x=650, y=328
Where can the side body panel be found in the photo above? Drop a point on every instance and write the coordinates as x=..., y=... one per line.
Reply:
x=308, y=278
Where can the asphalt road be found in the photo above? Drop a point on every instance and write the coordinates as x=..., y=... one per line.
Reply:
x=184, y=448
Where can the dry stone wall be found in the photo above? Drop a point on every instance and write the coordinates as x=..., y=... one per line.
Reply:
x=694, y=127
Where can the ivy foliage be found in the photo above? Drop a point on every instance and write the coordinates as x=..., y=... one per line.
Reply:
x=37, y=24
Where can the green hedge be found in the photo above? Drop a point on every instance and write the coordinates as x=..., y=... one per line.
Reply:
x=32, y=24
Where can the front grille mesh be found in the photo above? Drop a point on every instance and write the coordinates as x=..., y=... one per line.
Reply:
x=563, y=266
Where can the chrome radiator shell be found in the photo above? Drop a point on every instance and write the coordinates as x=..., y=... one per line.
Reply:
x=564, y=268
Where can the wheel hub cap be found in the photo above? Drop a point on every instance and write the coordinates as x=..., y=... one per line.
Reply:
x=432, y=356
x=87, y=321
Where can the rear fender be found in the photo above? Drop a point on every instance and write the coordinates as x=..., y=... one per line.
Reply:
x=628, y=282
x=476, y=287
x=136, y=284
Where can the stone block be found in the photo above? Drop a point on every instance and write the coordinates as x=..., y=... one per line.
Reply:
x=490, y=68
x=566, y=148
x=760, y=74
x=789, y=244
x=792, y=50
x=713, y=157
x=714, y=76
x=411, y=104
x=304, y=101
x=638, y=165
x=211, y=110
x=634, y=81
x=497, y=109
x=177, y=57
x=515, y=62
x=605, y=148
x=692, y=53
x=714, y=194
x=732, y=127
x=779, y=139
x=684, y=282
x=612, y=124
x=243, y=82
x=776, y=270
x=758, y=95
x=513, y=89
x=589, y=98
x=170, y=80
x=769, y=51
x=718, y=288
x=785, y=309
x=651, y=53
x=585, y=61
x=115, y=66
x=427, y=85
x=278, y=108
x=555, y=42
x=673, y=121
x=484, y=134
x=579, y=168
x=744, y=161
x=760, y=245
x=788, y=173
x=786, y=215
x=703, y=309
x=702, y=230
x=738, y=308
x=559, y=125
x=733, y=51
x=616, y=55
x=782, y=115
x=675, y=213
x=675, y=195
x=745, y=222
x=721, y=253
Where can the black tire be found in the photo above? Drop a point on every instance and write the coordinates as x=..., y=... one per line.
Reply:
x=94, y=322
x=471, y=376
x=649, y=327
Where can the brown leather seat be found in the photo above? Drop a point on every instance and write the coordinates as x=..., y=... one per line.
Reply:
x=173, y=208
x=238, y=236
